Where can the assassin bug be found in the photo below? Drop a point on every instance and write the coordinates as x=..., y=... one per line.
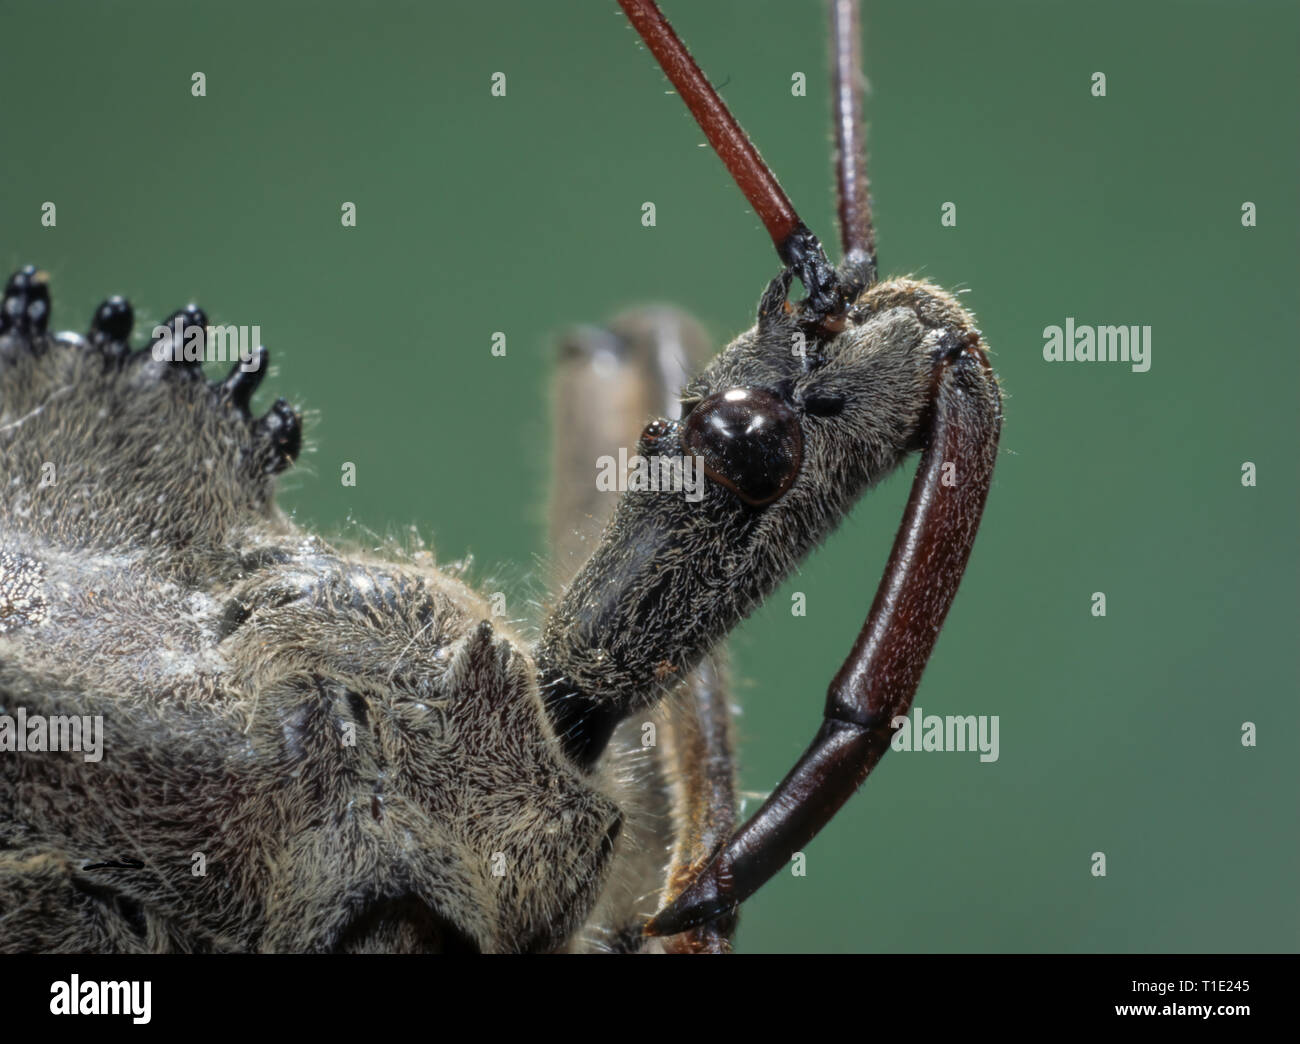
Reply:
x=361, y=755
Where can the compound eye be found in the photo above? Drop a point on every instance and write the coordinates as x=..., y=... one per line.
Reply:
x=750, y=441
x=655, y=432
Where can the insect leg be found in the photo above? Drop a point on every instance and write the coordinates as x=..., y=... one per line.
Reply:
x=608, y=381
x=702, y=780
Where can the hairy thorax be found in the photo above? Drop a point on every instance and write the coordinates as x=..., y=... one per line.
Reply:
x=302, y=747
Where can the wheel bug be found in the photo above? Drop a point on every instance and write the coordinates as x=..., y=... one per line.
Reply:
x=792, y=422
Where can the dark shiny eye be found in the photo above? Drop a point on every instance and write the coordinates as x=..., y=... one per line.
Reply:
x=750, y=441
x=654, y=432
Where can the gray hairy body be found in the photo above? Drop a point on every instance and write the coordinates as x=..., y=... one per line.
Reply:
x=315, y=748
x=331, y=738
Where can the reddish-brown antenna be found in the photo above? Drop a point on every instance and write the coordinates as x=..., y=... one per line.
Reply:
x=857, y=234
x=795, y=244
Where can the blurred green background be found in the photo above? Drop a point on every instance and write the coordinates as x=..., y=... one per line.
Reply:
x=522, y=214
